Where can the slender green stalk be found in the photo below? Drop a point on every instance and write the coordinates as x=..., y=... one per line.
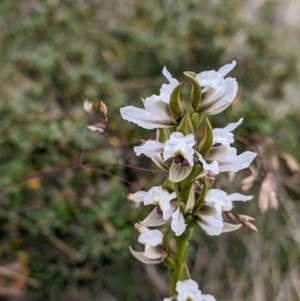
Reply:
x=180, y=259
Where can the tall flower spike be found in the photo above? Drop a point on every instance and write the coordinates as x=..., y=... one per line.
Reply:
x=217, y=93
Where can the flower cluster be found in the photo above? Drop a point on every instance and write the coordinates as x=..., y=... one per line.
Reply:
x=186, y=197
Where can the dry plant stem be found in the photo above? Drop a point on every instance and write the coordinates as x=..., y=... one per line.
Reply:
x=182, y=245
x=84, y=141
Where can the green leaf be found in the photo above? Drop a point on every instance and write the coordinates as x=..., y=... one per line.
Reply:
x=196, y=94
x=176, y=107
x=205, y=145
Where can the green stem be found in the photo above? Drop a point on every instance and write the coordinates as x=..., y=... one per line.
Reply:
x=180, y=259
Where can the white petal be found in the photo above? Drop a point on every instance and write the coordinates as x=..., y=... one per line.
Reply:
x=213, y=167
x=150, y=148
x=232, y=126
x=157, y=107
x=157, y=159
x=210, y=225
x=138, y=196
x=224, y=136
x=210, y=79
x=210, y=220
x=167, y=213
x=154, y=253
x=227, y=68
x=167, y=89
x=208, y=298
x=144, y=118
x=230, y=227
x=218, y=199
x=240, y=197
x=151, y=237
x=153, y=219
x=220, y=99
x=188, y=290
x=178, y=144
x=228, y=160
x=178, y=223
x=159, y=196
x=238, y=162
x=141, y=257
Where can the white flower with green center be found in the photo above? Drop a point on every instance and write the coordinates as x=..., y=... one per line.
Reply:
x=156, y=113
x=217, y=92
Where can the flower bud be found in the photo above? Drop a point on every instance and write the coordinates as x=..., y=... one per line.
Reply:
x=207, y=141
x=176, y=107
x=196, y=89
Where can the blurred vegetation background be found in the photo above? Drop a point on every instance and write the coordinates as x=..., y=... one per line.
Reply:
x=65, y=223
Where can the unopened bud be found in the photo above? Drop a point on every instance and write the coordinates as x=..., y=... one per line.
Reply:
x=98, y=128
x=250, y=226
x=87, y=106
x=103, y=111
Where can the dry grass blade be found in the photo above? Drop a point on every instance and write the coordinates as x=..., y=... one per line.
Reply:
x=291, y=162
x=268, y=195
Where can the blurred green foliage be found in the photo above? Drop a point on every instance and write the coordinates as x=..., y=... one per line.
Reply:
x=71, y=226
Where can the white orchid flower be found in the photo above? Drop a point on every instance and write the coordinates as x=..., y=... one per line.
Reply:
x=152, y=240
x=228, y=160
x=179, y=147
x=156, y=196
x=156, y=113
x=188, y=290
x=166, y=208
x=222, y=201
x=224, y=135
x=224, y=158
x=218, y=93
x=209, y=218
x=149, y=237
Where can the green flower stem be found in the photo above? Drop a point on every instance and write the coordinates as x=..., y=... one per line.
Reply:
x=180, y=259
